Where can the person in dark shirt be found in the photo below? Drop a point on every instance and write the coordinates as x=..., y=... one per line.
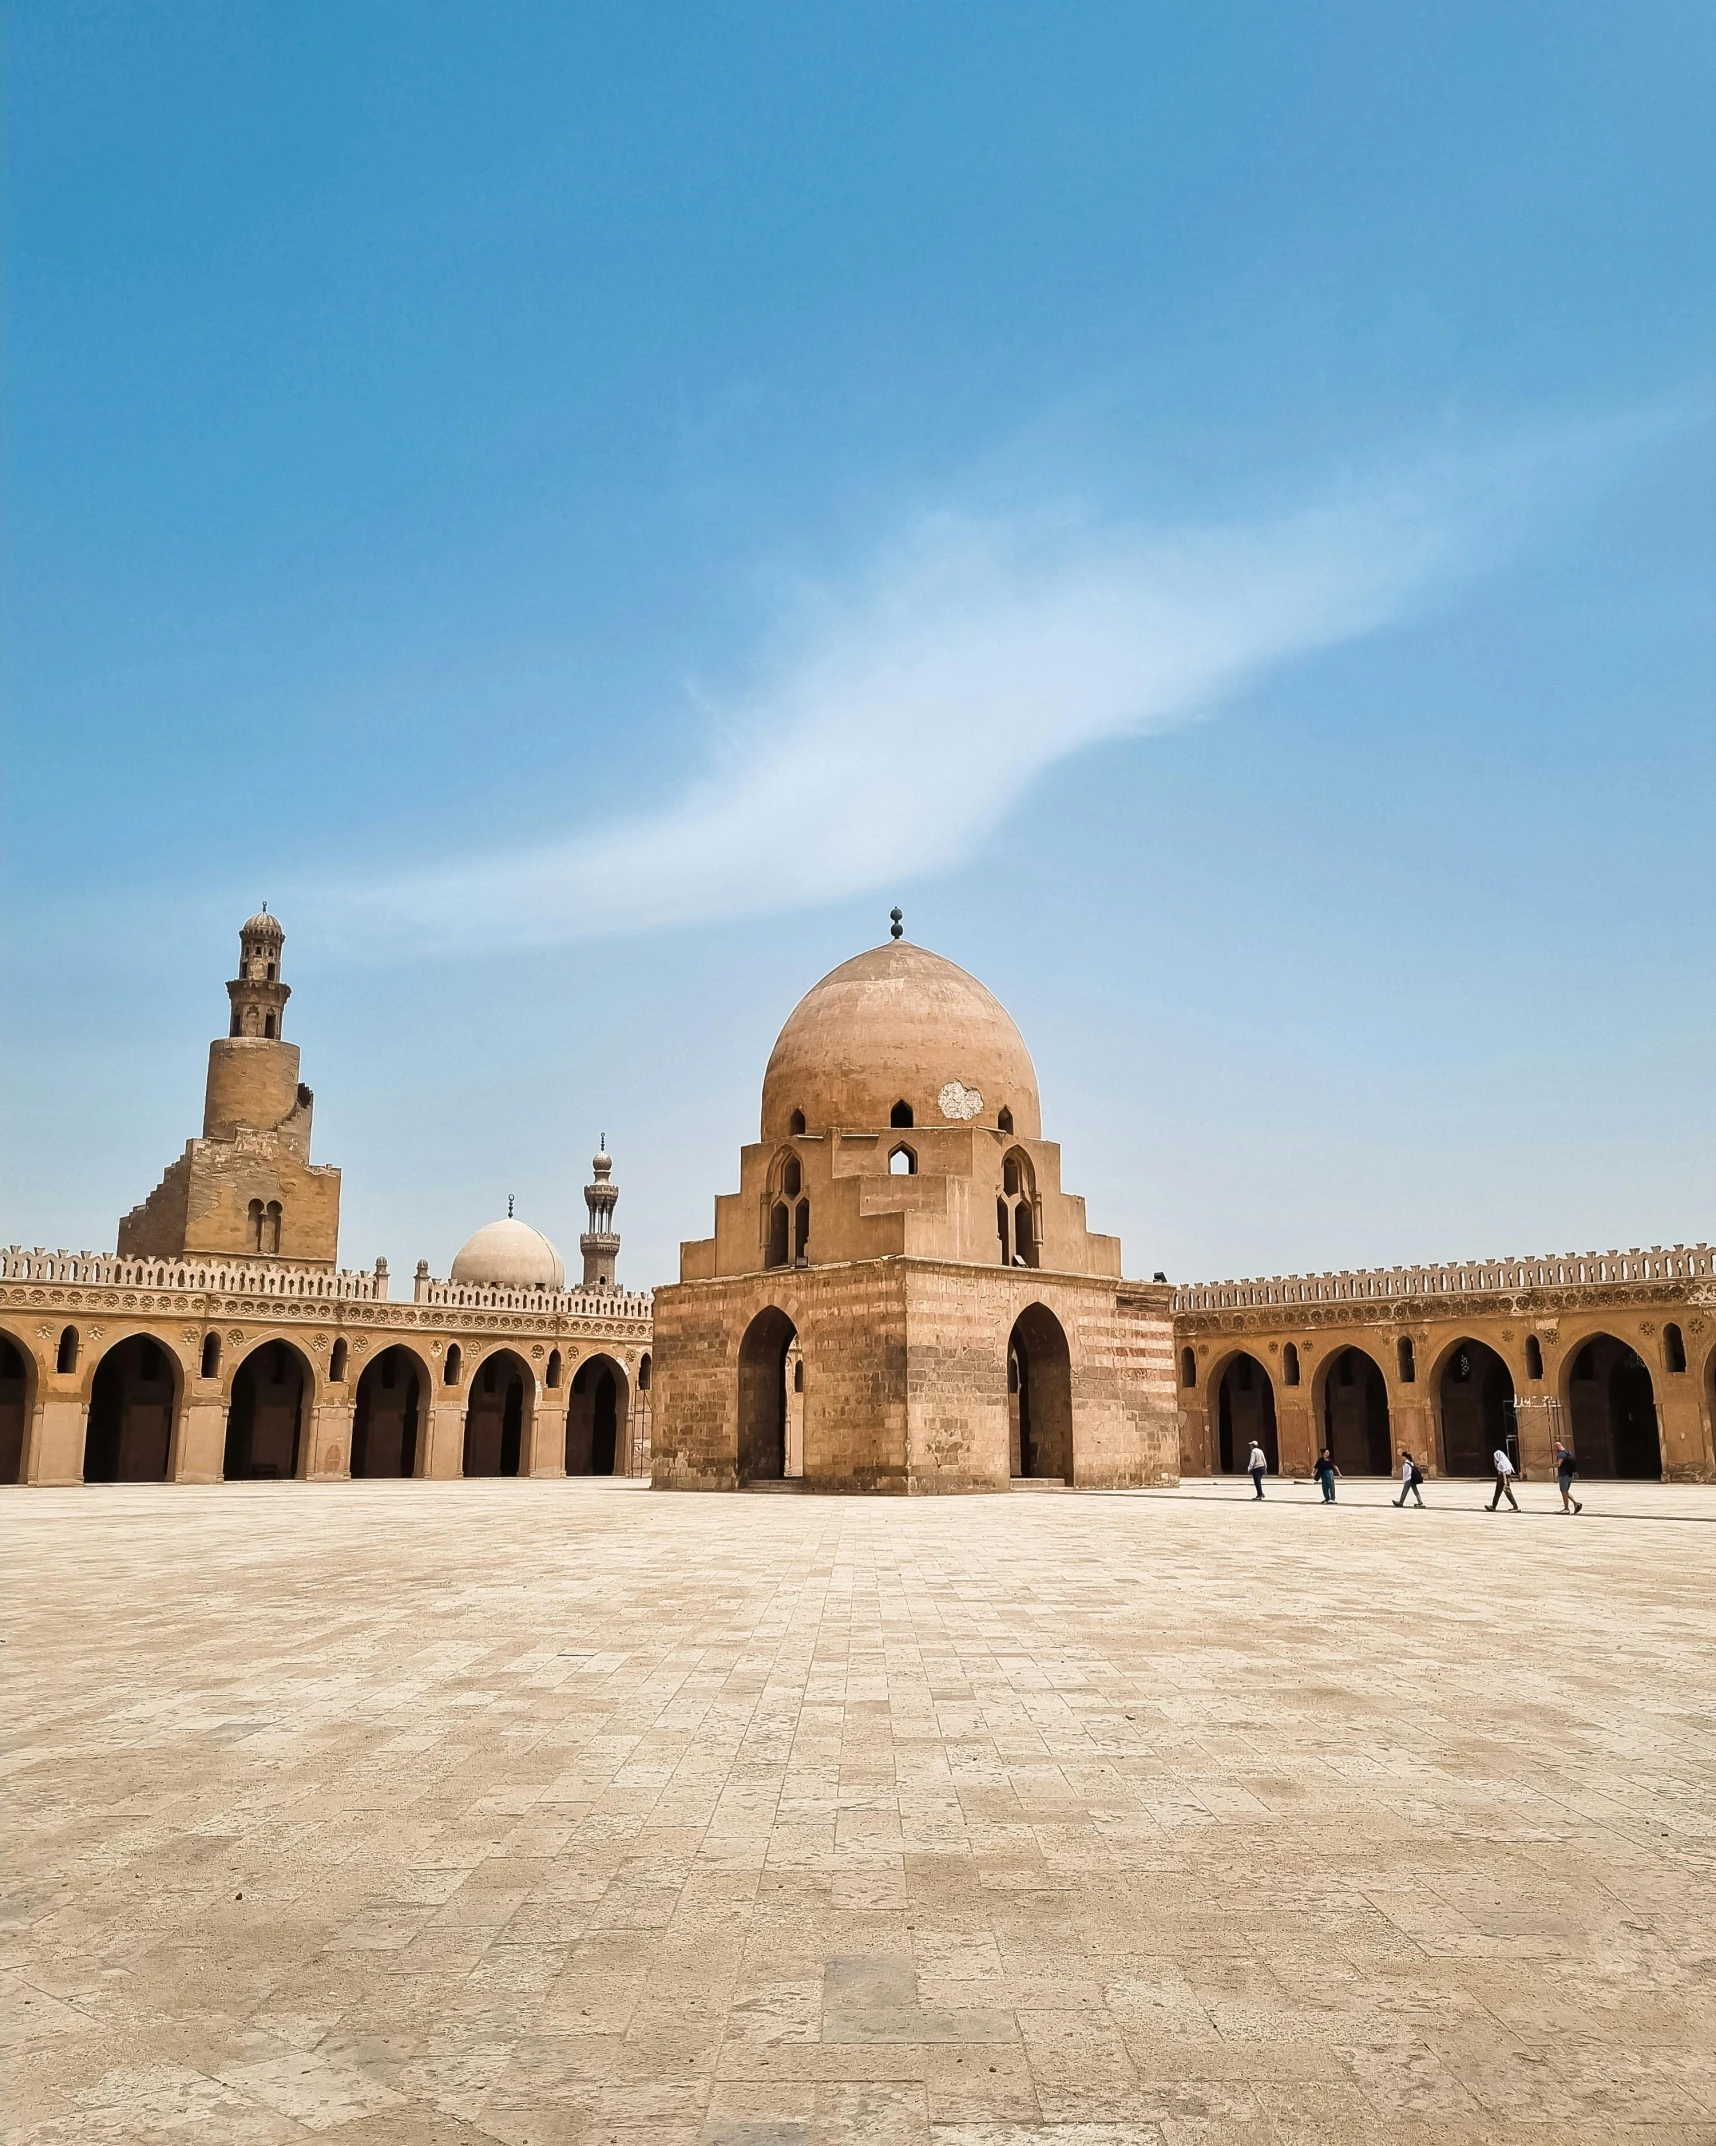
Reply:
x=1326, y=1471
x=1566, y=1468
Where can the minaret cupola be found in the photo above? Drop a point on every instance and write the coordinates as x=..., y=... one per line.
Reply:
x=257, y=994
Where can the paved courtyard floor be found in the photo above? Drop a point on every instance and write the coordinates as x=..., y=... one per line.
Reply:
x=550, y=1813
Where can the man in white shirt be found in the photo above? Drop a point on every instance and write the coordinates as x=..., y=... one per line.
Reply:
x=1505, y=1470
x=1411, y=1475
x=1258, y=1465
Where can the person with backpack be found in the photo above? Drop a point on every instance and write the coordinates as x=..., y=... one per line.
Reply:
x=1566, y=1468
x=1258, y=1465
x=1411, y=1475
x=1325, y=1472
x=1505, y=1473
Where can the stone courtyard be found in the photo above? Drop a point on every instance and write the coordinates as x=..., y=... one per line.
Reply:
x=545, y=1812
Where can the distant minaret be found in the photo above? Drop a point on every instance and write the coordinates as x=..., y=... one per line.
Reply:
x=600, y=1243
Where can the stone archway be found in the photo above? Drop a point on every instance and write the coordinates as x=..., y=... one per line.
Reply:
x=1611, y=1411
x=1355, y=1414
x=387, y=1418
x=1039, y=1397
x=597, y=1418
x=133, y=1409
x=498, y=1414
x=17, y=1404
x=266, y=1415
x=1244, y=1410
x=1475, y=1398
x=763, y=1396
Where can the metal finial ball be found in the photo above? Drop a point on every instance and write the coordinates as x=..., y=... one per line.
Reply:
x=896, y=928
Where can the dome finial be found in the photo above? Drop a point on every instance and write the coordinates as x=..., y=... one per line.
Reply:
x=896, y=925
x=509, y=1206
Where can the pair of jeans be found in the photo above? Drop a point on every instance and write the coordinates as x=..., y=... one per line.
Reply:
x=1257, y=1478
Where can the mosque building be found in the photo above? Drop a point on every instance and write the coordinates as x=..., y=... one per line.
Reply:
x=223, y=1340
x=899, y=1297
x=901, y=1234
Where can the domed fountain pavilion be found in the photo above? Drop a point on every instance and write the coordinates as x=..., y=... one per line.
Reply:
x=900, y=1297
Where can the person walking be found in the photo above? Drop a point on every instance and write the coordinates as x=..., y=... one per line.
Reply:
x=1325, y=1472
x=1566, y=1468
x=1505, y=1472
x=1411, y=1475
x=1258, y=1465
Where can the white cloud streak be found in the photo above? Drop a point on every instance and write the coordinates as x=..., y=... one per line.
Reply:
x=914, y=713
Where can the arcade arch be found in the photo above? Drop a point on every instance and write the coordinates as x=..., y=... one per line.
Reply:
x=1475, y=1399
x=387, y=1418
x=1611, y=1410
x=763, y=1396
x=1039, y=1396
x=17, y=1404
x=1244, y=1410
x=498, y=1414
x=133, y=1411
x=596, y=1418
x=1355, y=1414
x=265, y=1414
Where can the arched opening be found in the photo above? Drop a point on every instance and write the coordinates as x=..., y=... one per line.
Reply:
x=268, y=1024
x=1533, y=1357
x=66, y=1359
x=265, y=1416
x=133, y=1403
x=780, y=1222
x=1188, y=1367
x=902, y=1163
x=1673, y=1347
x=1024, y=1235
x=1611, y=1407
x=1290, y=1364
x=801, y=1233
x=1004, y=1120
x=795, y=1124
x=337, y=1364
x=763, y=1397
x=1004, y=1229
x=643, y=1374
x=1245, y=1410
x=496, y=1416
x=272, y=1232
x=1407, y=1359
x=596, y=1418
x=901, y=1115
x=1039, y=1397
x=17, y=1401
x=1355, y=1414
x=551, y=1377
x=450, y=1376
x=792, y=1177
x=211, y=1356
x=387, y=1420
x=1476, y=1399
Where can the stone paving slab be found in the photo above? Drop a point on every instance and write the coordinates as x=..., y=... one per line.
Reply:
x=556, y=1813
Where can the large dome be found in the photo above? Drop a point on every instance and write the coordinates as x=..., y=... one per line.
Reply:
x=899, y=1024
x=509, y=1255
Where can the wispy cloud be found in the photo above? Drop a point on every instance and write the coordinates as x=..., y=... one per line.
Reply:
x=903, y=718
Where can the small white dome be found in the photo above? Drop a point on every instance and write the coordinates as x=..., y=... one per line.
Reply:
x=509, y=1254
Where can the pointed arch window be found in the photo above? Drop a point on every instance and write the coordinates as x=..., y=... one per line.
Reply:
x=900, y=1117
x=450, y=1376
x=1408, y=1363
x=1533, y=1357
x=1673, y=1347
x=211, y=1355
x=1188, y=1368
x=1290, y=1364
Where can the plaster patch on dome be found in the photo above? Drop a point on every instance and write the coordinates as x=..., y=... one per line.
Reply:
x=959, y=1101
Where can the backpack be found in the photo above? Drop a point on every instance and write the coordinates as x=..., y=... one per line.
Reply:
x=1417, y=1475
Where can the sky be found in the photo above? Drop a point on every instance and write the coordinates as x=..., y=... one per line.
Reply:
x=1211, y=509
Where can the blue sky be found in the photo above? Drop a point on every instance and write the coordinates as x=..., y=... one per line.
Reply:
x=1212, y=508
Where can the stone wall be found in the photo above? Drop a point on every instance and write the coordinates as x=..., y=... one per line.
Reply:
x=1537, y=1314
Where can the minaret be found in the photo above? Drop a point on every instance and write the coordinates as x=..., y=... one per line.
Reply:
x=600, y=1243
x=247, y=1189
